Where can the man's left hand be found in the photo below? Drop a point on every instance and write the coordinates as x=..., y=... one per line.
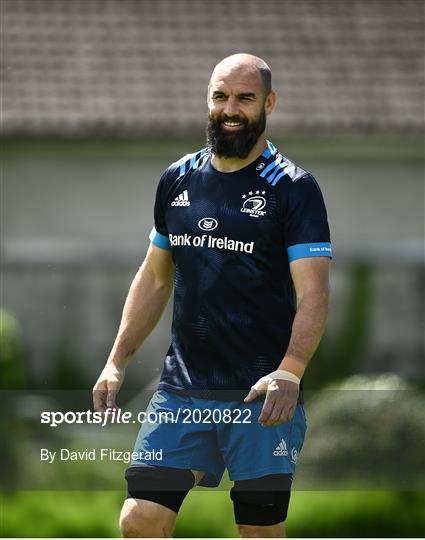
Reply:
x=280, y=403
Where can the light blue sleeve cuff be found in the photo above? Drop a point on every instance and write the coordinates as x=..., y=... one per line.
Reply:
x=303, y=251
x=159, y=240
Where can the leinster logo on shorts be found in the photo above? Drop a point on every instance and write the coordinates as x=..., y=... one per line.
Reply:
x=294, y=455
x=253, y=203
x=208, y=224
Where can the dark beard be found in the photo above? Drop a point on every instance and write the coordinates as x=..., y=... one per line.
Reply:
x=238, y=144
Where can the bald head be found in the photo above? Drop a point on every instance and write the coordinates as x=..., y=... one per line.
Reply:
x=245, y=64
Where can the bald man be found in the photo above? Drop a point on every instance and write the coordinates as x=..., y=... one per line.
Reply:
x=242, y=232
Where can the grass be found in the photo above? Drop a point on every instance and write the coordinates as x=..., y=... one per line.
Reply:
x=208, y=514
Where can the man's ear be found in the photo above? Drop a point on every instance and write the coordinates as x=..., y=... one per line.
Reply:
x=270, y=102
x=208, y=92
x=208, y=95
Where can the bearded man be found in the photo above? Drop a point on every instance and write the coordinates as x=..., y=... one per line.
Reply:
x=242, y=232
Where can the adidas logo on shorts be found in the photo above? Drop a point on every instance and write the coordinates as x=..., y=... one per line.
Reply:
x=281, y=449
x=182, y=199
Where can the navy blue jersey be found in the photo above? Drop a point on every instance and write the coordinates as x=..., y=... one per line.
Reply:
x=232, y=237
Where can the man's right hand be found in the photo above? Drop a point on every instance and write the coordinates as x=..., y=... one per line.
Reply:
x=106, y=388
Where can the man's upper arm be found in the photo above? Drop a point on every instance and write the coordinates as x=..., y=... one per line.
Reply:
x=160, y=263
x=310, y=275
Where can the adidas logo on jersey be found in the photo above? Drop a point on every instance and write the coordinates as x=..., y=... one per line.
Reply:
x=182, y=199
x=281, y=449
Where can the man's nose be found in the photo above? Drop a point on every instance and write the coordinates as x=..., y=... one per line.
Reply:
x=231, y=108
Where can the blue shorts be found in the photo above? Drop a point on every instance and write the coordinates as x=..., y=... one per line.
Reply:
x=210, y=436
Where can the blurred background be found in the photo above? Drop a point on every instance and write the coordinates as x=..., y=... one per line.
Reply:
x=98, y=98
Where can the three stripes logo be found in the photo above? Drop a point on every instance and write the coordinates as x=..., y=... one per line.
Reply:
x=181, y=200
x=281, y=449
x=280, y=167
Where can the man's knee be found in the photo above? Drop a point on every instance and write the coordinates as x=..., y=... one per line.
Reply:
x=155, y=495
x=146, y=519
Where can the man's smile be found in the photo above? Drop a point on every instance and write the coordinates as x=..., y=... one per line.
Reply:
x=232, y=124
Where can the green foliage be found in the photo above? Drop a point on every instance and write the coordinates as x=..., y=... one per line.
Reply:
x=357, y=513
x=12, y=377
x=367, y=432
x=341, y=356
x=53, y=514
x=11, y=362
x=207, y=514
x=67, y=372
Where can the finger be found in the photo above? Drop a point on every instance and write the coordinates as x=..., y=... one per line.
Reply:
x=274, y=418
x=111, y=415
x=283, y=416
x=266, y=410
x=99, y=399
x=261, y=385
x=111, y=397
x=291, y=411
x=286, y=414
x=252, y=395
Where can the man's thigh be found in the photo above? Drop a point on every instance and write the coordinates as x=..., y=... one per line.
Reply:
x=151, y=510
x=251, y=450
x=167, y=486
x=178, y=441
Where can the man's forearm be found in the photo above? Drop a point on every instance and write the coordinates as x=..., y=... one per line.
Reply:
x=143, y=308
x=307, y=330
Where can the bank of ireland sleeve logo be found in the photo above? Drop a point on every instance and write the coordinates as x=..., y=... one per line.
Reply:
x=207, y=224
x=254, y=203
